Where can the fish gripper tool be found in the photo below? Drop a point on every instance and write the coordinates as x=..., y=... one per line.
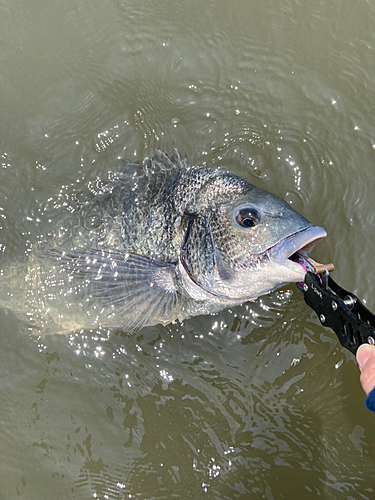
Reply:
x=339, y=310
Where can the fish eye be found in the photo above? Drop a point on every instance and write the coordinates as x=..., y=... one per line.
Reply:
x=247, y=217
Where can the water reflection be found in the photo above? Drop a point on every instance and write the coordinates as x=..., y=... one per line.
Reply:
x=222, y=405
x=222, y=413
x=259, y=401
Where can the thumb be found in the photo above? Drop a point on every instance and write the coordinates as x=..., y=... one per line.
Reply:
x=364, y=353
x=366, y=361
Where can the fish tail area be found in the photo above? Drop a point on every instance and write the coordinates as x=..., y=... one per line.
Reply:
x=12, y=285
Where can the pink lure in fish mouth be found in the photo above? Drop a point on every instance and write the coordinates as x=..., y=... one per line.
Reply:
x=292, y=251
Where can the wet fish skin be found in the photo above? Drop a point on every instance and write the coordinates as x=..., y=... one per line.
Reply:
x=161, y=241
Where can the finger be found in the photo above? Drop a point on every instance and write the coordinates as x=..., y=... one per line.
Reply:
x=364, y=353
x=366, y=360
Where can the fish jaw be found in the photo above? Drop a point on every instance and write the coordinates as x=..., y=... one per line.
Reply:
x=274, y=270
x=302, y=242
x=277, y=269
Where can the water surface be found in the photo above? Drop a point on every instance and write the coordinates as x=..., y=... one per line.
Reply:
x=256, y=402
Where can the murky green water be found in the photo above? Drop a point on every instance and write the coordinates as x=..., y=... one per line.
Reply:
x=259, y=401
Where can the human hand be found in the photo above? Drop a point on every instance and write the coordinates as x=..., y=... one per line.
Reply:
x=366, y=361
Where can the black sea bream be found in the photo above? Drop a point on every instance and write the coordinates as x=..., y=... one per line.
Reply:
x=161, y=241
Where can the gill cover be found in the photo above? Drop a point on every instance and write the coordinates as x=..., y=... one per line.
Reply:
x=199, y=254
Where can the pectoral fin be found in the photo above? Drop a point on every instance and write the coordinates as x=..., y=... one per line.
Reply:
x=134, y=290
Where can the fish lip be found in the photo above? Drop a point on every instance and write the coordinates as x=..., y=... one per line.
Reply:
x=302, y=241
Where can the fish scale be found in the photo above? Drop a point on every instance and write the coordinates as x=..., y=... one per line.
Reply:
x=161, y=241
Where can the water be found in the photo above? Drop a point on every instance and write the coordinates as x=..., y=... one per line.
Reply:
x=256, y=402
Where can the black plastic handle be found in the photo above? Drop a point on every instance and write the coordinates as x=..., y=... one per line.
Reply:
x=340, y=310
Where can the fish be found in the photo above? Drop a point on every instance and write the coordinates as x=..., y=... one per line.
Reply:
x=159, y=242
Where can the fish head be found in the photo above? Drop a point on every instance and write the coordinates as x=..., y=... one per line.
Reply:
x=240, y=239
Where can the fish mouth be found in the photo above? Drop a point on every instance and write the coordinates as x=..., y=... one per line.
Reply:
x=300, y=243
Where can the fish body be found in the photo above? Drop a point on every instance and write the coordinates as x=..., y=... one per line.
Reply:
x=163, y=240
